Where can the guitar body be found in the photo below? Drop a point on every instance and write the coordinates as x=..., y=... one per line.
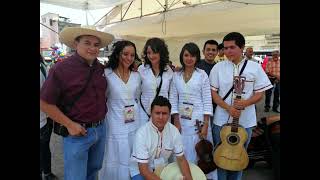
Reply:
x=231, y=154
x=204, y=149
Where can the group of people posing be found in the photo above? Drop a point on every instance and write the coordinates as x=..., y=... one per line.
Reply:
x=118, y=118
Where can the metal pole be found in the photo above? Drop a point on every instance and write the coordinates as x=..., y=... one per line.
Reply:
x=141, y=9
x=87, y=17
x=86, y=9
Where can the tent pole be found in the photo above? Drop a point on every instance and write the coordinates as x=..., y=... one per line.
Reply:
x=86, y=10
x=141, y=9
x=87, y=17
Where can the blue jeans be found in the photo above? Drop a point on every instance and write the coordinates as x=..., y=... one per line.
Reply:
x=83, y=155
x=226, y=174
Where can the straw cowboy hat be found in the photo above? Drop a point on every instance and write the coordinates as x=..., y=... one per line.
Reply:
x=69, y=34
x=172, y=172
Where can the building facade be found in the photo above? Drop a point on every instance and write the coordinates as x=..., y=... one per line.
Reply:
x=52, y=25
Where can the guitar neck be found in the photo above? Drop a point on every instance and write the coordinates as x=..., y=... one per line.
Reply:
x=235, y=121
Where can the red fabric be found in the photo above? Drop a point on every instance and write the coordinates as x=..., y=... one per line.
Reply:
x=264, y=63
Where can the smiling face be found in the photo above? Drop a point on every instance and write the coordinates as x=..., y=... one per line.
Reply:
x=153, y=57
x=160, y=116
x=127, y=56
x=210, y=51
x=189, y=60
x=87, y=47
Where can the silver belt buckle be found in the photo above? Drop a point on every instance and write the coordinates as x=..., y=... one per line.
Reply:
x=94, y=125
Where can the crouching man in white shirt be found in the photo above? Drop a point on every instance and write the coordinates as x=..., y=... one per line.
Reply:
x=155, y=141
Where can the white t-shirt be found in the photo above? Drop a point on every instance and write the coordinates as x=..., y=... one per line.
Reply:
x=150, y=84
x=147, y=141
x=43, y=116
x=196, y=91
x=221, y=80
x=121, y=95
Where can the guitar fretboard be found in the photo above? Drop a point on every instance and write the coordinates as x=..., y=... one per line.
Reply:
x=235, y=121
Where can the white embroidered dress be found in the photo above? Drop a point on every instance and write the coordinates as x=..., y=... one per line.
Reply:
x=197, y=92
x=120, y=135
x=149, y=88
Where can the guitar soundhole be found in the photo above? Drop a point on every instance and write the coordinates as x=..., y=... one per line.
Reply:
x=233, y=139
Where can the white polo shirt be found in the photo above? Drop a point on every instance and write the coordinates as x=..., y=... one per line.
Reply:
x=149, y=143
x=221, y=80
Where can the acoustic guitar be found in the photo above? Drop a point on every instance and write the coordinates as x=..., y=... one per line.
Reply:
x=204, y=149
x=231, y=154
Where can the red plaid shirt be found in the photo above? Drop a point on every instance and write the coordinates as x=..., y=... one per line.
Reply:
x=273, y=68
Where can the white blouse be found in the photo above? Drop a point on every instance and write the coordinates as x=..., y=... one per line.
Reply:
x=196, y=91
x=120, y=95
x=150, y=84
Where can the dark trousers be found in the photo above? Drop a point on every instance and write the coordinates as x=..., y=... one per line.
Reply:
x=276, y=96
x=45, y=154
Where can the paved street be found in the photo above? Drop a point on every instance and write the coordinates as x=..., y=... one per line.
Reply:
x=259, y=172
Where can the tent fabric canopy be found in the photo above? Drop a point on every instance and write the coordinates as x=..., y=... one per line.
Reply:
x=85, y=4
x=179, y=22
x=190, y=21
x=213, y=17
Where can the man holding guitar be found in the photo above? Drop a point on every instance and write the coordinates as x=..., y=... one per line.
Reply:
x=234, y=107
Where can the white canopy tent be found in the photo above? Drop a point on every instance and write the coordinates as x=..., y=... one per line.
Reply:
x=179, y=22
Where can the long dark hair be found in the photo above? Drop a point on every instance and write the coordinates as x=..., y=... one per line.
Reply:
x=117, y=49
x=193, y=49
x=158, y=46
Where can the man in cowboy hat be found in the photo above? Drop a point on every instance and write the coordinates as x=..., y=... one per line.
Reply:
x=155, y=142
x=74, y=96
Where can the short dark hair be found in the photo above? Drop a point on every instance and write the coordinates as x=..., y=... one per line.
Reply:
x=237, y=37
x=158, y=46
x=193, y=49
x=117, y=49
x=220, y=46
x=211, y=41
x=160, y=101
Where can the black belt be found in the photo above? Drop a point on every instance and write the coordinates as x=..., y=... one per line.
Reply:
x=91, y=125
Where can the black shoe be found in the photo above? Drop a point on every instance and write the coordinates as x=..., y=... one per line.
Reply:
x=275, y=110
x=266, y=109
x=50, y=176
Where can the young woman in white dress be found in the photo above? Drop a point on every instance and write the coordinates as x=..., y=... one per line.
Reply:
x=123, y=91
x=190, y=96
x=154, y=70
